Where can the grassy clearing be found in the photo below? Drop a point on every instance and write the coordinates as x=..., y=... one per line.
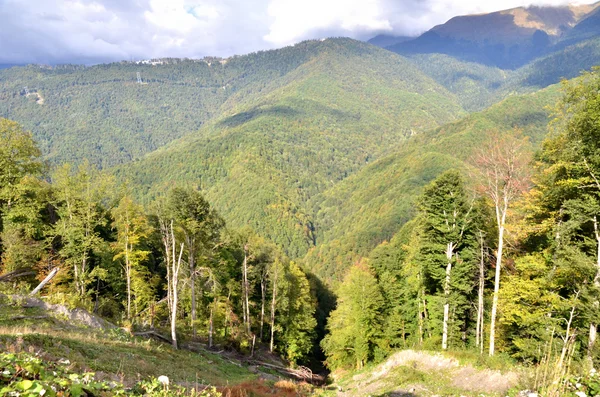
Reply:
x=113, y=354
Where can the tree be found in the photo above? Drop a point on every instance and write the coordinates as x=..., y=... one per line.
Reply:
x=565, y=203
x=502, y=167
x=448, y=244
x=80, y=200
x=132, y=228
x=199, y=226
x=23, y=224
x=172, y=257
x=19, y=156
x=297, y=309
x=355, y=325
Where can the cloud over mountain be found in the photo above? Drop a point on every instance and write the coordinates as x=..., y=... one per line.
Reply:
x=86, y=31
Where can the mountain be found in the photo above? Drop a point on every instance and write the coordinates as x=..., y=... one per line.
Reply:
x=478, y=86
x=384, y=40
x=507, y=39
x=320, y=147
x=103, y=114
x=266, y=155
x=370, y=206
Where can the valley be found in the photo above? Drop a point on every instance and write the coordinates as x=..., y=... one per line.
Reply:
x=377, y=212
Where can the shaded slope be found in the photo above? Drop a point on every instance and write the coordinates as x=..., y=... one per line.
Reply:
x=268, y=154
x=478, y=86
x=370, y=206
x=506, y=39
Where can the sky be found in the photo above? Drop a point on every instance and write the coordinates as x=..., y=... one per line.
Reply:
x=88, y=31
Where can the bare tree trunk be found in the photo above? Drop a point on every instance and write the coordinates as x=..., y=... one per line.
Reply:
x=502, y=218
x=263, y=293
x=210, y=329
x=273, y=302
x=128, y=271
x=420, y=319
x=46, y=280
x=449, y=252
x=425, y=317
x=479, y=330
x=246, y=290
x=173, y=267
x=191, y=261
x=593, y=325
x=175, y=275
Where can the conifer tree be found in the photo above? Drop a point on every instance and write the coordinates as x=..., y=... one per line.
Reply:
x=448, y=248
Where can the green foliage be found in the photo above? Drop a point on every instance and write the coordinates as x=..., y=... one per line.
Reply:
x=78, y=198
x=370, y=206
x=448, y=251
x=19, y=156
x=356, y=324
x=28, y=376
x=264, y=157
x=296, y=314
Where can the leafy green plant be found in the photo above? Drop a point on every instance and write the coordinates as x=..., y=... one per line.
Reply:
x=25, y=375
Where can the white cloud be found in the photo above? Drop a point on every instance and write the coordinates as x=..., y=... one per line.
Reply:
x=91, y=31
x=293, y=20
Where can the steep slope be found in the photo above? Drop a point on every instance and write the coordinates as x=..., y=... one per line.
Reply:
x=267, y=155
x=478, y=86
x=507, y=39
x=101, y=113
x=369, y=207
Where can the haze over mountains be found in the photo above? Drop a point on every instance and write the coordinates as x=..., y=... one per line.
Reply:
x=508, y=38
x=322, y=146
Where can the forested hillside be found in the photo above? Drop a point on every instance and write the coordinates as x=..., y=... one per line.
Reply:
x=306, y=131
x=499, y=257
x=370, y=206
x=326, y=203
x=102, y=114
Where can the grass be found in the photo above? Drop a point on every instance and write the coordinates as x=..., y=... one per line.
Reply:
x=423, y=373
x=111, y=353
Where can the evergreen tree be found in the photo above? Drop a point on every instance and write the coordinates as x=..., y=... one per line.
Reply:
x=448, y=252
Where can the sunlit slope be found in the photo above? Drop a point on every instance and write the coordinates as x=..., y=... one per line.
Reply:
x=269, y=153
x=103, y=114
x=370, y=206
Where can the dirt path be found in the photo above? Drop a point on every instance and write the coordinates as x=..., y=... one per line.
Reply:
x=416, y=373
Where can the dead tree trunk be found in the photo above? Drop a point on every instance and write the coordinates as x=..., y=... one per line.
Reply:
x=246, y=289
x=501, y=223
x=273, y=305
x=46, y=280
x=263, y=293
x=479, y=330
x=449, y=253
x=593, y=325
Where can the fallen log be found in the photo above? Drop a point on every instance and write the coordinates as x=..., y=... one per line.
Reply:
x=28, y=318
x=49, y=277
x=154, y=334
x=17, y=273
x=302, y=373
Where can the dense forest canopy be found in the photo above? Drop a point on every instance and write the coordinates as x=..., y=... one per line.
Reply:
x=329, y=202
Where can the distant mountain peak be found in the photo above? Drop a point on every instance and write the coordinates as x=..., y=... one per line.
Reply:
x=515, y=24
x=509, y=38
